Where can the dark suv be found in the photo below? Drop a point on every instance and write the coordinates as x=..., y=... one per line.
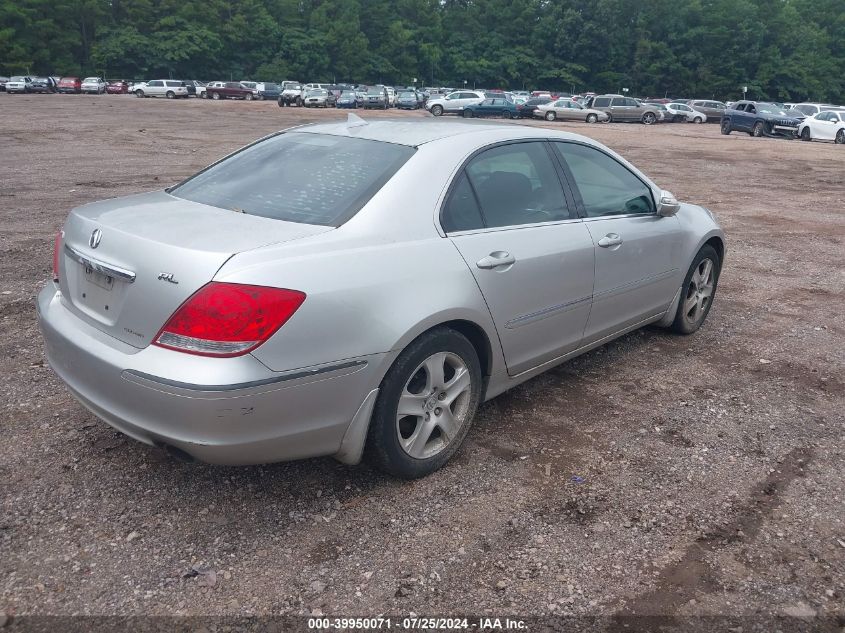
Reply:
x=759, y=118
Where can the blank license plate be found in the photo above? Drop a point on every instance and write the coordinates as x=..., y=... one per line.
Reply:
x=98, y=279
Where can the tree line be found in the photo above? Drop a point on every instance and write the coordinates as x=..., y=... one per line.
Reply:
x=780, y=49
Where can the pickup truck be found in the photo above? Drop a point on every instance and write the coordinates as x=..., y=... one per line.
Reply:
x=229, y=90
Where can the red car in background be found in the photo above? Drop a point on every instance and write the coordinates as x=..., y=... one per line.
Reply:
x=117, y=87
x=70, y=85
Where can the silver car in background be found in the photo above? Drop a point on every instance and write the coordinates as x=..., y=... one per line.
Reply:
x=366, y=297
x=569, y=110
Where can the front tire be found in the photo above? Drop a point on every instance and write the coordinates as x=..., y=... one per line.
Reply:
x=248, y=97
x=759, y=129
x=170, y=95
x=437, y=110
x=467, y=114
x=649, y=118
x=506, y=114
x=139, y=93
x=840, y=137
x=805, y=134
x=215, y=96
x=426, y=405
x=698, y=120
x=726, y=127
x=550, y=116
x=698, y=291
x=592, y=118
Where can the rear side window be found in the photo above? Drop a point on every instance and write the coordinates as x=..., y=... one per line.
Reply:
x=298, y=177
x=461, y=212
x=601, y=102
x=517, y=184
x=606, y=186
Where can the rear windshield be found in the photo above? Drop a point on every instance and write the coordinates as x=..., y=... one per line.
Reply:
x=299, y=177
x=270, y=87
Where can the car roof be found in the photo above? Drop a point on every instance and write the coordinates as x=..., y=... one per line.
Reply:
x=414, y=133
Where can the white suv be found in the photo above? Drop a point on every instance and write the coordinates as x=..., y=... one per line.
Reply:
x=455, y=102
x=170, y=88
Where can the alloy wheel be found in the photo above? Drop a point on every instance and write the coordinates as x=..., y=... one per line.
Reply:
x=840, y=137
x=434, y=405
x=699, y=292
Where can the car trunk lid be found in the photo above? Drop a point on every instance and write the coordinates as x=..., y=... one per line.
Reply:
x=127, y=264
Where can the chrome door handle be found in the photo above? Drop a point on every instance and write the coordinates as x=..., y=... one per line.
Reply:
x=611, y=239
x=496, y=259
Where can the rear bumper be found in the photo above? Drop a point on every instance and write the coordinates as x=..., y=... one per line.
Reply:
x=225, y=411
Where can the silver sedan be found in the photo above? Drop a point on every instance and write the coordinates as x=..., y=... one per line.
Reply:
x=569, y=110
x=367, y=297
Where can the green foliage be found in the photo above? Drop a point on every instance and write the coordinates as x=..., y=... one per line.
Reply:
x=780, y=49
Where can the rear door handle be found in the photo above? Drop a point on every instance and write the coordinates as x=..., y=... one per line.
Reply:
x=496, y=259
x=611, y=239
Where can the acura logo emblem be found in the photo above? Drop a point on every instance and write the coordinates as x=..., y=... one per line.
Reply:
x=96, y=236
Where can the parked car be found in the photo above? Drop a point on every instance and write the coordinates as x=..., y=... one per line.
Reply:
x=828, y=125
x=812, y=109
x=229, y=90
x=169, y=88
x=408, y=100
x=377, y=97
x=319, y=98
x=713, y=109
x=568, y=110
x=495, y=107
x=18, y=84
x=347, y=99
x=619, y=108
x=93, y=85
x=527, y=109
x=42, y=84
x=681, y=112
x=3, y=81
x=268, y=91
x=238, y=353
x=759, y=118
x=291, y=94
x=454, y=102
x=119, y=87
x=195, y=88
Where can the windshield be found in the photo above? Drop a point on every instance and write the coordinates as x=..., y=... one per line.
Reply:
x=330, y=180
x=375, y=91
x=317, y=92
x=17, y=79
x=770, y=108
x=407, y=95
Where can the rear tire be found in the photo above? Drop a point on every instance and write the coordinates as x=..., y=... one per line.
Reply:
x=215, y=96
x=592, y=118
x=726, y=127
x=698, y=120
x=609, y=118
x=468, y=114
x=698, y=291
x=506, y=114
x=170, y=95
x=550, y=116
x=840, y=137
x=649, y=118
x=248, y=96
x=138, y=93
x=440, y=405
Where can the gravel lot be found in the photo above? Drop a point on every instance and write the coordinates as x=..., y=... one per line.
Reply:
x=713, y=466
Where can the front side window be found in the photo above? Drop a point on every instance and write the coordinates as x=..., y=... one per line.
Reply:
x=516, y=184
x=298, y=177
x=606, y=186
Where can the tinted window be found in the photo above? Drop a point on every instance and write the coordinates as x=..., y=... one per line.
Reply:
x=461, y=212
x=174, y=84
x=605, y=185
x=601, y=102
x=329, y=179
x=631, y=102
x=517, y=184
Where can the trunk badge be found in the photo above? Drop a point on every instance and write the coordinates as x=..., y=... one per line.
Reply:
x=94, y=240
x=168, y=277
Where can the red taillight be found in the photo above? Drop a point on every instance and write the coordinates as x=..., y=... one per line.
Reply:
x=57, y=249
x=222, y=319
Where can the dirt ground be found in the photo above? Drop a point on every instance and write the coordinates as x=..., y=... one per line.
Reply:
x=712, y=466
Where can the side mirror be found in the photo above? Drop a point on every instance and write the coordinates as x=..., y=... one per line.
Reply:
x=668, y=205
